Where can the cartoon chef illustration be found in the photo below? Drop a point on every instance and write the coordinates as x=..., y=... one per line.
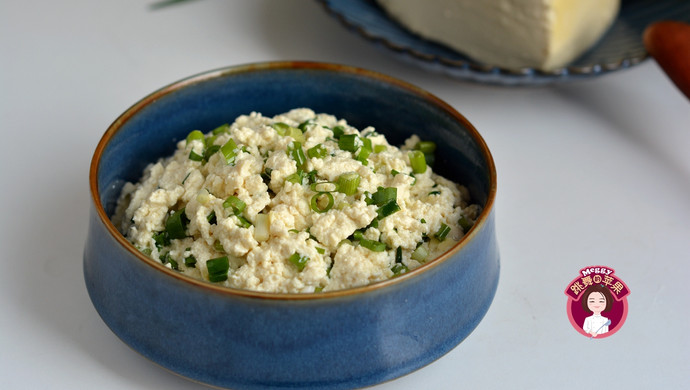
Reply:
x=596, y=299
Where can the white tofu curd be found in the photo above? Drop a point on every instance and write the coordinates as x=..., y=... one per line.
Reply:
x=297, y=203
x=544, y=34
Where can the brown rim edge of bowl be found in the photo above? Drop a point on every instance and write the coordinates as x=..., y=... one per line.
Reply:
x=285, y=65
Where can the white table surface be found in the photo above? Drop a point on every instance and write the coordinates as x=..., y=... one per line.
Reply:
x=593, y=172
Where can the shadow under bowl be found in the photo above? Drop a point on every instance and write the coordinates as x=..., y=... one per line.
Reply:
x=250, y=340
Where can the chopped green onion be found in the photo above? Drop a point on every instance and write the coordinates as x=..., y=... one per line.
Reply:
x=320, y=250
x=244, y=222
x=280, y=127
x=311, y=235
x=236, y=203
x=357, y=235
x=434, y=193
x=465, y=224
x=384, y=195
x=295, y=133
x=379, y=148
x=388, y=209
x=426, y=147
x=349, y=142
x=220, y=129
x=195, y=157
x=420, y=254
x=338, y=131
x=262, y=224
x=210, y=140
x=218, y=246
x=442, y=232
x=311, y=176
x=315, y=200
x=398, y=255
x=203, y=196
x=211, y=218
x=284, y=129
x=161, y=239
x=324, y=186
x=330, y=267
x=266, y=175
x=293, y=231
x=363, y=154
x=210, y=151
x=430, y=159
x=190, y=261
x=366, y=143
x=368, y=198
x=173, y=264
x=318, y=151
x=186, y=176
x=394, y=172
x=195, y=135
x=417, y=161
x=298, y=260
x=364, y=151
x=303, y=126
x=175, y=225
x=297, y=177
x=167, y=258
x=399, y=268
x=342, y=205
x=422, y=220
x=297, y=154
x=218, y=269
x=228, y=151
x=348, y=183
x=374, y=246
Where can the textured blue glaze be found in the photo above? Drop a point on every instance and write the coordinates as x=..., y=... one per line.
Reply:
x=240, y=340
x=620, y=48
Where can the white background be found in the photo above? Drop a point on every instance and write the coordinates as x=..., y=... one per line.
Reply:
x=593, y=172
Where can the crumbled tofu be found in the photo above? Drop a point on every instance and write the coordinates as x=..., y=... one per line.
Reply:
x=283, y=174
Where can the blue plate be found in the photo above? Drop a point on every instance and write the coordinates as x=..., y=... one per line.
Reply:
x=620, y=48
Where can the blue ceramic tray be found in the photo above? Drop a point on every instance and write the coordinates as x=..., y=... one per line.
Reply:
x=620, y=48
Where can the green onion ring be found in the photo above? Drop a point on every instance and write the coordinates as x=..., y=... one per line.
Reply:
x=315, y=202
x=323, y=186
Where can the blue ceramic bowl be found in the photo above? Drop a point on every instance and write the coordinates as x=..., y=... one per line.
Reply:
x=249, y=340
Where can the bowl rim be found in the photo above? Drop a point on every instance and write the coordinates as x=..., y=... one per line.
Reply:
x=334, y=68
